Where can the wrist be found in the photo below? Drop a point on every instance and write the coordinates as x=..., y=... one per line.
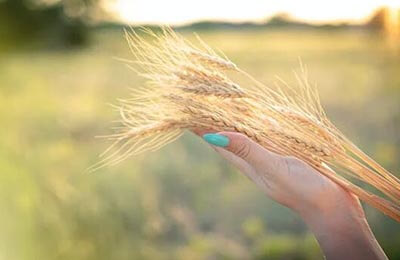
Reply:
x=345, y=218
x=334, y=204
x=337, y=212
x=340, y=211
x=342, y=229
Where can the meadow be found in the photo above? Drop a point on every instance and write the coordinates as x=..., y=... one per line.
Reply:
x=183, y=201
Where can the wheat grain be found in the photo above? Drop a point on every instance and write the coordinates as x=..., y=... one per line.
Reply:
x=188, y=88
x=211, y=60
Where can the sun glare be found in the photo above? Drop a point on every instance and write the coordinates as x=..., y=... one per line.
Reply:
x=181, y=12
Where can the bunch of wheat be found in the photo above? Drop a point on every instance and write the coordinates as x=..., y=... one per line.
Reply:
x=189, y=88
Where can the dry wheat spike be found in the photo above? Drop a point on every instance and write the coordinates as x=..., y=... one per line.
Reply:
x=190, y=87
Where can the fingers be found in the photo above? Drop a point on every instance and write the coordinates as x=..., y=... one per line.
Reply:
x=257, y=163
x=244, y=167
x=248, y=150
x=200, y=132
x=238, y=162
x=254, y=155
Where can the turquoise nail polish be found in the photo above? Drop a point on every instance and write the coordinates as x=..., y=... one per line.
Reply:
x=216, y=139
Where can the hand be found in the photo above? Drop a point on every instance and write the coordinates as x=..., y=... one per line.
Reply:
x=287, y=180
x=334, y=215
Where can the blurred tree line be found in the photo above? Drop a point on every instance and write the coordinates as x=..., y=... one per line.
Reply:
x=67, y=23
x=52, y=23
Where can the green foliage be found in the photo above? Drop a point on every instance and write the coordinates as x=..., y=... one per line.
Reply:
x=48, y=24
x=182, y=202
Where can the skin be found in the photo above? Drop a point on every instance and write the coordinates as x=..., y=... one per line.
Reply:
x=334, y=215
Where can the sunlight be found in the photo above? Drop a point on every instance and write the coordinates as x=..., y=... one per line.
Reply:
x=181, y=12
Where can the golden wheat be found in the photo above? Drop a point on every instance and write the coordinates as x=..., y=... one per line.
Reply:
x=189, y=88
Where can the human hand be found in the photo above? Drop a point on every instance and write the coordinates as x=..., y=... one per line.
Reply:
x=334, y=215
x=287, y=180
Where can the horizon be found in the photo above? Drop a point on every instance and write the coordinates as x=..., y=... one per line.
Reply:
x=176, y=13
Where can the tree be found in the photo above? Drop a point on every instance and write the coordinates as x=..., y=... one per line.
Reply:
x=57, y=23
x=379, y=19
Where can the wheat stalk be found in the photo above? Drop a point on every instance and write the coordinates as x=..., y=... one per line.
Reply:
x=189, y=88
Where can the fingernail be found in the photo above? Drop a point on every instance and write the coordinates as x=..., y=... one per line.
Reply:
x=216, y=139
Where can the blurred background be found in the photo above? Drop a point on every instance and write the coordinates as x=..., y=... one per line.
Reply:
x=58, y=72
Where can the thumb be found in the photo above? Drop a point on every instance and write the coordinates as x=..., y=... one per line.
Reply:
x=243, y=147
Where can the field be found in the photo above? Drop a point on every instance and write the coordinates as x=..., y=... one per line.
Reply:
x=182, y=202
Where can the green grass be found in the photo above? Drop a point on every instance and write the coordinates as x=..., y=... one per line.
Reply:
x=182, y=202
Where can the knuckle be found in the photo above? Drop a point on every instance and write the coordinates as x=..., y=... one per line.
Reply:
x=243, y=150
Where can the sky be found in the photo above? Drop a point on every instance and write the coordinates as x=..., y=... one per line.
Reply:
x=186, y=11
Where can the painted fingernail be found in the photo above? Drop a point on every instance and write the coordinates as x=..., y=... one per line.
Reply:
x=216, y=139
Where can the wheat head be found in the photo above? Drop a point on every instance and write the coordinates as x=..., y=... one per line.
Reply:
x=189, y=87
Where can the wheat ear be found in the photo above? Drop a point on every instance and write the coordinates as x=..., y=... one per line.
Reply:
x=190, y=87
